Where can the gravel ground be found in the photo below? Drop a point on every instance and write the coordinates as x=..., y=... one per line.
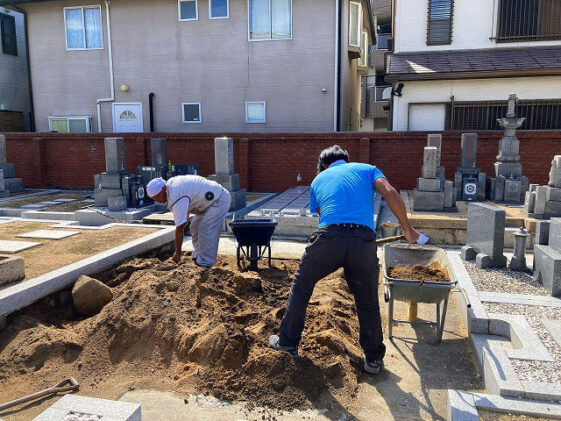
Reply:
x=540, y=371
x=504, y=280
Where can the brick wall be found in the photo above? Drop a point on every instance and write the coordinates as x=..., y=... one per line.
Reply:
x=265, y=162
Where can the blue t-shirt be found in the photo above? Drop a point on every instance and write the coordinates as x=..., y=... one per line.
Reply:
x=345, y=193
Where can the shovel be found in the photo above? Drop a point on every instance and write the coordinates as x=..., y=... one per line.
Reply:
x=59, y=388
x=423, y=239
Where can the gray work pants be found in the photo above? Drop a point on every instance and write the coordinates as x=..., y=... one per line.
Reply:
x=330, y=248
x=206, y=228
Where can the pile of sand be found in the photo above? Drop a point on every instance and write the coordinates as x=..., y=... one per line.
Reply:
x=191, y=330
x=433, y=273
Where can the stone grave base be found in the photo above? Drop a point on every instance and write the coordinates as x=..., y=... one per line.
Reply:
x=11, y=269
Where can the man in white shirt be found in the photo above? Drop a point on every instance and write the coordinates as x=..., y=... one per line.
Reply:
x=208, y=200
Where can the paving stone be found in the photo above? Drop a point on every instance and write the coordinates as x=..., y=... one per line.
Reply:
x=49, y=234
x=105, y=409
x=15, y=246
x=33, y=206
x=64, y=200
x=554, y=328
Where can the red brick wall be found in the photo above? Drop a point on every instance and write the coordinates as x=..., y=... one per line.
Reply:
x=265, y=162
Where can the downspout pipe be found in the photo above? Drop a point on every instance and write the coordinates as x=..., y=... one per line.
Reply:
x=151, y=109
x=338, y=50
x=111, y=74
x=29, y=82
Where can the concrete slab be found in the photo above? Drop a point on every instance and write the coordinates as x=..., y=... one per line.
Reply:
x=64, y=200
x=40, y=214
x=49, y=203
x=499, y=375
x=33, y=206
x=528, y=300
x=49, y=234
x=542, y=391
x=16, y=246
x=102, y=408
x=554, y=329
x=461, y=407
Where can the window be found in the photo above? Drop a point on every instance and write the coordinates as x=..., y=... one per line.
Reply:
x=255, y=112
x=8, y=29
x=70, y=124
x=523, y=20
x=439, y=28
x=83, y=28
x=218, y=9
x=188, y=10
x=192, y=112
x=383, y=41
x=363, y=60
x=270, y=19
x=355, y=24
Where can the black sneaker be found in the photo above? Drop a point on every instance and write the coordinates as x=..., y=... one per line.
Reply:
x=373, y=367
x=274, y=343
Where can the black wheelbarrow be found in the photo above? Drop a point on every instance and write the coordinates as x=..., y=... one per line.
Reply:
x=254, y=239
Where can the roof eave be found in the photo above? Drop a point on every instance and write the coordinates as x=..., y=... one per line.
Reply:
x=394, y=77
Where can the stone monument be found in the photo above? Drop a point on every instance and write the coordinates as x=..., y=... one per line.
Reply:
x=224, y=167
x=433, y=192
x=508, y=185
x=470, y=183
x=547, y=260
x=518, y=260
x=159, y=152
x=108, y=183
x=485, y=236
x=544, y=202
x=8, y=181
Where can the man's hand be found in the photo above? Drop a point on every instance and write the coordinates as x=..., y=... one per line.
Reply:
x=176, y=257
x=411, y=236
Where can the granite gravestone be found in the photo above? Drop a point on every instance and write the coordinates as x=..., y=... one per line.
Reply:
x=544, y=202
x=485, y=236
x=110, y=181
x=470, y=183
x=547, y=260
x=224, y=167
x=159, y=152
x=9, y=183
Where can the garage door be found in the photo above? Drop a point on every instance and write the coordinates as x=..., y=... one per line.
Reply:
x=426, y=117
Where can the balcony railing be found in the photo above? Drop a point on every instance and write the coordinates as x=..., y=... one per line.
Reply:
x=528, y=20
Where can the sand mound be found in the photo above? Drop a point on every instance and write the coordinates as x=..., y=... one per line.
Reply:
x=433, y=272
x=204, y=331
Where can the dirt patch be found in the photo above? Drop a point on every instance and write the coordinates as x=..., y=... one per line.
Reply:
x=191, y=330
x=53, y=254
x=433, y=273
x=18, y=203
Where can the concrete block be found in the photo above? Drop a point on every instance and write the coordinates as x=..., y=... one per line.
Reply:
x=11, y=269
x=542, y=391
x=449, y=194
x=13, y=185
x=553, y=194
x=461, y=407
x=555, y=233
x=102, y=196
x=551, y=209
x=230, y=182
x=547, y=268
x=117, y=203
x=110, y=180
x=428, y=201
x=529, y=202
x=541, y=194
x=96, y=407
x=238, y=200
x=9, y=169
x=88, y=217
x=468, y=253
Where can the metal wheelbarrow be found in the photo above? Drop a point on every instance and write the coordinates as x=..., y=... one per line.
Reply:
x=254, y=239
x=415, y=290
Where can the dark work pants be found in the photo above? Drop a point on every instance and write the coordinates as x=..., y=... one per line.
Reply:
x=328, y=249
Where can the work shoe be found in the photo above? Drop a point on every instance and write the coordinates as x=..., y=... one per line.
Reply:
x=274, y=343
x=373, y=367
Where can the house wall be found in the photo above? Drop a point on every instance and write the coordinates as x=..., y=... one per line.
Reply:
x=207, y=61
x=440, y=91
x=474, y=27
x=14, y=85
x=267, y=161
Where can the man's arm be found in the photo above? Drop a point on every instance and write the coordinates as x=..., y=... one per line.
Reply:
x=179, y=234
x=395, y=202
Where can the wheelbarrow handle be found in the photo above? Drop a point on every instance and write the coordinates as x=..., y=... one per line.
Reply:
x=390, y=239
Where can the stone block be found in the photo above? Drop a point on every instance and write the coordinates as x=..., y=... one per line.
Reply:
x=541, y=193
x=458, y=176
x=484, y=261
x=114, y=154
x=110, y=180
x=2, y=148
x=4, y=193
x=485, y=231
x=2, y=183
x=500, y=189
x=542, y=233
x=529, y=202
x=461, y=407
x=117, y=203
x=468, y=253
x=469, y=149
x=555, y=173
x=551, y=209
x=555, y=233
x=547, y=268
x=508, y=169
x=101, y=195
x=224, y=155
x=428, y=201
x=97, y=181
x=9, y=169
x=491, y=188
x=8, y=246
x=159, y=152
x=430, y=162
x=230, y=182
x=482, y=182
x=13, y=185
x=49, y=234
x=428, y=184
x=238, y=200
x=513, y=191
x=553, y=194
x=89, y=295
x=533, y=187
x=524, y=185
x=449, y=193
x=435, y=140
x=97, y=408
x=11, y=269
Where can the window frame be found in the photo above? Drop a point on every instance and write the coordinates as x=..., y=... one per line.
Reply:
x=93, y=6
x=264, y=110
x=88, y=120
x=183, y=104
x=196, y=10
x=13, y=19
x=271, y=33
x=218, y=17
x=451, y=31
x=359, y=23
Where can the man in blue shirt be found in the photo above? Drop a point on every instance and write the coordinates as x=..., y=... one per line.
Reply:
x=343, y=195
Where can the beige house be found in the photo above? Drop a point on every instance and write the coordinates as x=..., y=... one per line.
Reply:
x=197, y=65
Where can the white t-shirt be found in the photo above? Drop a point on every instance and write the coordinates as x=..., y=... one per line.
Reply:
x=190, y=193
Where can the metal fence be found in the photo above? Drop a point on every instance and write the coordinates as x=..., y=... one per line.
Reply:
x=540, y=114
x=528, y=20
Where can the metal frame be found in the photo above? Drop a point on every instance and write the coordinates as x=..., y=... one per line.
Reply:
x=271, y=17
x=253, y=249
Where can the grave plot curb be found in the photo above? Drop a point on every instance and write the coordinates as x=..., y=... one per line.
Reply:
x=28, y=292
x=464, y=406
x=103, y=408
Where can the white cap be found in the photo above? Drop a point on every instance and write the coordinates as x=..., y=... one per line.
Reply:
x=155, y=186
